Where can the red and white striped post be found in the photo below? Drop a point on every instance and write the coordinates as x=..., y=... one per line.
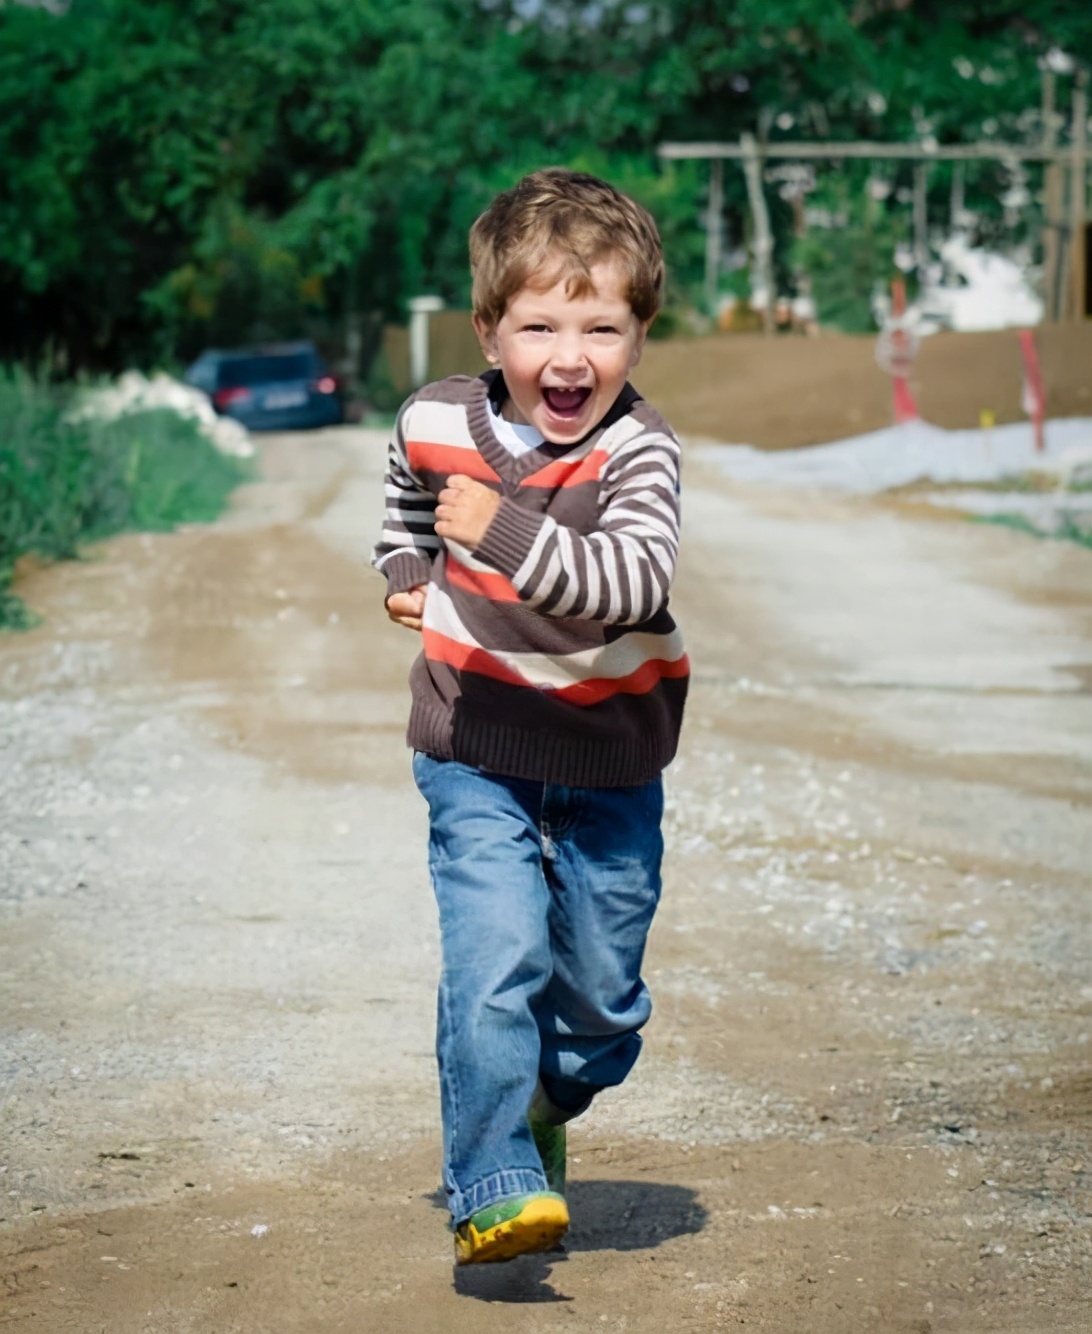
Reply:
x=896, y=348
x=1034, y=399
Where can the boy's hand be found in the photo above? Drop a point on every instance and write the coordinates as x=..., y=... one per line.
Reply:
x=407, y=608
x=466, y=510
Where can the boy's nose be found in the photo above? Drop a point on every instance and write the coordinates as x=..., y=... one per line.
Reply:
x=569, y=355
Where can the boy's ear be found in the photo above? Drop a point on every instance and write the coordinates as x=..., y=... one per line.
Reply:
x=639, y=346
x=487, y=339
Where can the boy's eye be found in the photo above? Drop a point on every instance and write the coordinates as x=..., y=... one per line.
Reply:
x=536, y=328
x=605, y=329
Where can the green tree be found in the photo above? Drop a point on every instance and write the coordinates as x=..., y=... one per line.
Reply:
x=178, y=169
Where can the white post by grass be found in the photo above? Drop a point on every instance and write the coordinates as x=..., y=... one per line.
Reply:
x=420, y=308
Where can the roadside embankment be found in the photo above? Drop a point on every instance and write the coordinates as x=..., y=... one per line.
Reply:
x=789, y=391
x=71, y=473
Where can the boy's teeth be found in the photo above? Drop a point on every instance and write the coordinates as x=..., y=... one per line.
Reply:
x=565, y=400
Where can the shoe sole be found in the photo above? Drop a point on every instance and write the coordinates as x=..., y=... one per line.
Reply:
x=538, y=1226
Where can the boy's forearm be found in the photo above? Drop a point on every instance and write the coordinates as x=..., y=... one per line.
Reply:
x=404, y=569
x=620, y=577
x=408, y=543
x=620, y=574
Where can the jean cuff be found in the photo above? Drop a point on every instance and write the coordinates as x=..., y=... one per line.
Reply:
x=497, y=1186
x=544, y=1108
x=558, y=1100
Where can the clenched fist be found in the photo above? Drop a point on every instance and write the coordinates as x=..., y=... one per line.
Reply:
x=407, y=608
x=466, y=510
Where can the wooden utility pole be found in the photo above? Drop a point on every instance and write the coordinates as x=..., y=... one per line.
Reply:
x=763, y=237
x=955, y=210
x=713, y=226
x=1078, y=200
x=921, y=218
x=1052, y=205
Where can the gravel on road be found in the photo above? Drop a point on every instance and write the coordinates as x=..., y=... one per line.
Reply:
x=865, y=1103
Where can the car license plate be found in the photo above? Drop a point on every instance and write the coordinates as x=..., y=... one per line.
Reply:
x=285, y=398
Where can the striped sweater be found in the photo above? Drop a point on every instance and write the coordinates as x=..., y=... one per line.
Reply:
x=549, y=652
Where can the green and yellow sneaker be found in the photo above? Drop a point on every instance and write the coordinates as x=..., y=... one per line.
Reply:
x=519, y=1225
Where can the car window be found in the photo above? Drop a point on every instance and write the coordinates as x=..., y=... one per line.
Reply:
x=203, y=374
x=237, y=371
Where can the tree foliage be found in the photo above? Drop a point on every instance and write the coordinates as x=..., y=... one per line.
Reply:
x=182, y=169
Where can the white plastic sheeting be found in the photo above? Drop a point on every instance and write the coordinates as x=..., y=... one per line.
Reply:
x=913, y=452
x=978, y=289
x=134, y=392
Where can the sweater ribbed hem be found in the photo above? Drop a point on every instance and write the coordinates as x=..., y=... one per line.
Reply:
x=540, y=755
x=509, y=538
x=405, y=570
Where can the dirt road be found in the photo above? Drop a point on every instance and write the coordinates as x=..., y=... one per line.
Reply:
x=865, y=1104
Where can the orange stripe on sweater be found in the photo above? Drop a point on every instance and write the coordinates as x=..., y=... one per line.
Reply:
x=468, y=658
x=569, y=472
x=647, y=677
x=448, y=460
x=496, y=587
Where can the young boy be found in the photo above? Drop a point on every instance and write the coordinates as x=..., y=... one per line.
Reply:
x=531, y=532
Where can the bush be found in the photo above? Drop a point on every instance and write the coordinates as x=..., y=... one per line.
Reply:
x=848, y=262
x=64, y=482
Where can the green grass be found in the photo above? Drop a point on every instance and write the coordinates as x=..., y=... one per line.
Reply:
x=1067, y=531
x=64, y=482
x=379, y=421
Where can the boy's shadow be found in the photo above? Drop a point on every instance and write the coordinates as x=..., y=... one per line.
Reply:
x=607, y=1216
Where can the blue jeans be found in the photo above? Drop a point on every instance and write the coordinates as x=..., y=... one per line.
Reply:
x=546, y=895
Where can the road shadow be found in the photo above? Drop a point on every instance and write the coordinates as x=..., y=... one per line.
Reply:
x=518, y=1282
x=607, y=1216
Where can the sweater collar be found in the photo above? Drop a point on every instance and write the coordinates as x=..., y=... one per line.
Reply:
x=490, y=387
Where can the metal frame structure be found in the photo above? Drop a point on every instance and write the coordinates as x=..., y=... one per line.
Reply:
x=1064, y=298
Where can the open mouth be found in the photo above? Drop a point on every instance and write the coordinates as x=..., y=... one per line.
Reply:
x=565, y=402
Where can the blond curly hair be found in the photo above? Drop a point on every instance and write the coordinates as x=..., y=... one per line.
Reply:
x=553, y=226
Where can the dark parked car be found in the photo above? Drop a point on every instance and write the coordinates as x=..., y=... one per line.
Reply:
x=278, y=387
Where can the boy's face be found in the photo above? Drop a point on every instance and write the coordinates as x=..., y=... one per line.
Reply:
x=565, y=359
